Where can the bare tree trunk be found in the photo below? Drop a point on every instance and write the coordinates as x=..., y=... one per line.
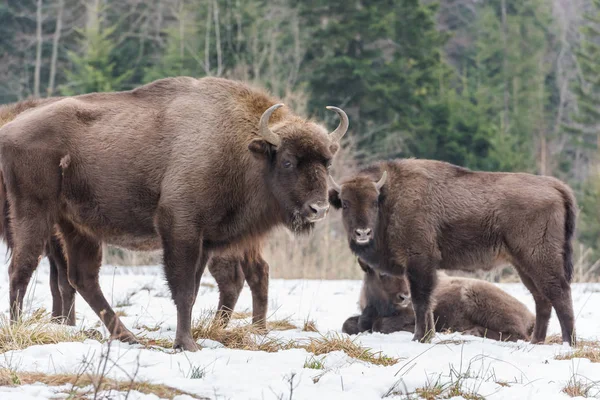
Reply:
x=55, y=43
x=207, y=42
x=505, y=66
x=38, y=50
x=218, y=38
x=181, y=36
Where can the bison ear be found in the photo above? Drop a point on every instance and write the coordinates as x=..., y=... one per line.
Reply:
x=260, y=147
x=364, y=266
x=334, y=199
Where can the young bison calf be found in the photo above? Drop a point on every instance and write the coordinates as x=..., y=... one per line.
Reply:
x=464, y=305
x=432, y=215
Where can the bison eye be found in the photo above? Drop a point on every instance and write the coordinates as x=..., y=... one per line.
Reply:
x=344, y=205
x=375, y=203
x=287, y=164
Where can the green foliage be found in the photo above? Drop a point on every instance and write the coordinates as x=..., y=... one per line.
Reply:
x=94, y=69
x=589, y=219
x=475, y=83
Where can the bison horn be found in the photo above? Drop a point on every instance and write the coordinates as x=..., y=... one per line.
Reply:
x=264, y=130
x=342, y=127
x=337, y=187
x=379, y=184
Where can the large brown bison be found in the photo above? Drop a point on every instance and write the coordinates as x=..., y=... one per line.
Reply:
x=432, y=215
x=194, y=166
x=470, y=306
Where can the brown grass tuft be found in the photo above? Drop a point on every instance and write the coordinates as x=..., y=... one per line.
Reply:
x=241, y=314
x=310, y=326
x=248, y=337
x=591, y=353
x=36, y=329
x=430, y=392
x=589, y=349
x=281, y=325
x=82, y=381
x=335, y=342
x=579, y=388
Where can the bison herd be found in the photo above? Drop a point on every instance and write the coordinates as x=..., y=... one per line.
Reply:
x=205, y=168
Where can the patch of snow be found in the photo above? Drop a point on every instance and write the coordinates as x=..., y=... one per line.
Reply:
x=492, y=369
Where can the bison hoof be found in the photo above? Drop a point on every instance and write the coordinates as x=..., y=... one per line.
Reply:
x=125, y=337
x=185, y=344
x=423, y=338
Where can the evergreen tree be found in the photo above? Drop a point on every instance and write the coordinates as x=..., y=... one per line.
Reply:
x=584, y=130
x=94, y=68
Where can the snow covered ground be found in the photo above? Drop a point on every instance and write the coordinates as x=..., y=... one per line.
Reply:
x=491, y=369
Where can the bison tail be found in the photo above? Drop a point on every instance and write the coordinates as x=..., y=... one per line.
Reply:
x=570, y=216
x=5, y=233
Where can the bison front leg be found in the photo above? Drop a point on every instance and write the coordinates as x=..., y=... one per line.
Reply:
x=256, y=271
x=230, y=280
x=367, y=318
x=183, y=265
x=422, y=277
x=85, y=258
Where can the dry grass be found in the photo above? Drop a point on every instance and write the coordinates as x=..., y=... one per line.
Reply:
x=430, y=392
x=281, y=325
x=36, y=329
x=309, y=326
x=248, y=337
x=241, y=314
x=577, y=387
x=589, y=349
x=335, y=342
x=80, y=382
x=591, y=353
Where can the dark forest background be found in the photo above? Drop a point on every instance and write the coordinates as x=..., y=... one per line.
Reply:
x=498, y=85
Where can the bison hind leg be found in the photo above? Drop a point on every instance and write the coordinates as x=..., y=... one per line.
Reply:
x=230, y=280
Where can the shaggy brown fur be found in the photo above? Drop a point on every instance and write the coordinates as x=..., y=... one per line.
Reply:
x=432, y=215
x=470, y=306
x=63, y=294
x=180, y=163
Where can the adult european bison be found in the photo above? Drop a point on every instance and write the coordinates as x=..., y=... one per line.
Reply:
x=433, y=215
x=194, y=166
x=470, y=306
x=63, y=294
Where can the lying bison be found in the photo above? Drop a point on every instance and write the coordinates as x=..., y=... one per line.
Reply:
x=194, y=166
x=433, y=215
x=464, y=305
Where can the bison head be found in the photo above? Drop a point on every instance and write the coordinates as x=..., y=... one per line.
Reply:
x=298, y=154
x=359, y=200
x=386, y=292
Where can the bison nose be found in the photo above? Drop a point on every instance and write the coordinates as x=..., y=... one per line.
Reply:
x=319, y=210
x=403, y=299
x=363, y=232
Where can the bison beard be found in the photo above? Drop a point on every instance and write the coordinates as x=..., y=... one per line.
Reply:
x=433, y=215
x=194, y=166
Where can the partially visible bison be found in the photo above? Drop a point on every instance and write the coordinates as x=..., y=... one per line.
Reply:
x=431, y=215
x=470, y=306
x=195, y=166
x=63, y=294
